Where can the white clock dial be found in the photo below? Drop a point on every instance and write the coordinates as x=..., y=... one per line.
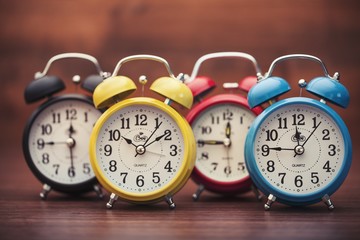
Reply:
x=139, y=149
x=220, y=132
x=58, y=141
x=299, y=149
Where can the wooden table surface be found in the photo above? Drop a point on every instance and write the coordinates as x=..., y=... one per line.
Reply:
x=25, y=216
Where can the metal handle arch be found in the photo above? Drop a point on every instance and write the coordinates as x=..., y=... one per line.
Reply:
x=71, y=55
x=297, y=56
x=224, y=55
x=142, y=57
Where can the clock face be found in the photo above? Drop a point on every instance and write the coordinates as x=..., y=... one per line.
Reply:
x=220, y=132
x=58, y=140
x=299, y=149
x=139, y=149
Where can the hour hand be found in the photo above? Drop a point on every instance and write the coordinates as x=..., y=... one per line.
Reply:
x=228, y=130
x=210, y=142
x=128, y=141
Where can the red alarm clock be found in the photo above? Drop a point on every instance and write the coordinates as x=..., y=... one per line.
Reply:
x=220, y=124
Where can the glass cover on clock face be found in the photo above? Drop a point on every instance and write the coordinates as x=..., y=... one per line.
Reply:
x=59, y=138
x=299, y=149
x=139, y=149
x=220, y=133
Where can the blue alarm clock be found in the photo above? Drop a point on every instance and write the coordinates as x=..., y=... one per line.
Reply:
x=298, y=150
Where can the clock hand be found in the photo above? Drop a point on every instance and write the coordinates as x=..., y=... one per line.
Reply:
x=156, y=139
x=210, y=142
x=144, y=145
x=228, y=130
x=300, y=148
x=297, y=135
x=280, y=149
x=53, y=143
x=128, y=141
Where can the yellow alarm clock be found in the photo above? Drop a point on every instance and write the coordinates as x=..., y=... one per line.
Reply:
x=141, y=149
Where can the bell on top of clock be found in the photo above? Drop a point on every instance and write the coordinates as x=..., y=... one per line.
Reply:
x=55, y=139
x=220, y=124
x=298, y=151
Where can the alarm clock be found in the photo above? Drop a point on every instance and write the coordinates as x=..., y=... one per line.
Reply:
x=55, y=139
x=220, y=124
x=141, y=149
x=298, y=150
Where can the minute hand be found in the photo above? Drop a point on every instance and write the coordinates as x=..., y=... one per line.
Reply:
x=308, y=137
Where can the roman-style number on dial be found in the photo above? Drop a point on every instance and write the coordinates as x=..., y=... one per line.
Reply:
x=299, y=149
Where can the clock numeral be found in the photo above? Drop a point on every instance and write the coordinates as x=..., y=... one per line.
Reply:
x=271, y=135
x=124, y=174
x=71, y=114
x=56, y=118
x=227, y=170
x=327, y=166
x=125, y=123
x=40, y=143
x=46, y=129
x=214, y=119
x=168, y=166
x=314, y=122
x=326, y=133
x=140, y=181
x=108, y=150
x=214, y=164
x=45, y=158
x=282, y=175
x=227, y=115
x=314, y=177
x=298, y=181
x=85, y=116
x=56, y=166
x=112, y=166
x=265, y=150
x=332, y=151
x=173, y=149
x=114, y=135
x=167, y=135
x=206, y=130
x=204, y=156
x=156, y=177
x=241, y=166
x=282, y=123
x=298, y=119
x=71, y=172
x=86, y=168
x=140, y=119
x=270, y=166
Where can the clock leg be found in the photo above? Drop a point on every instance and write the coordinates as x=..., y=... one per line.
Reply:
x=45, y=191
x=112, y=200
x=326, y=199
x=170, y=201
x=98, y=191
x=270, y=201
x=258, y=195
x=198, y=192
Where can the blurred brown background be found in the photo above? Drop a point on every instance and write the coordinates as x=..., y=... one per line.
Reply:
x=33, y=31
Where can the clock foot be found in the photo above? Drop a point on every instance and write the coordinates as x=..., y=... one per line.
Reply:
x=45, y=191
x=170, y=201
x=258, y=195
x=198, y=192
x=270, y=201
x=112, y=200
x=98, y=191
x=326, y=199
